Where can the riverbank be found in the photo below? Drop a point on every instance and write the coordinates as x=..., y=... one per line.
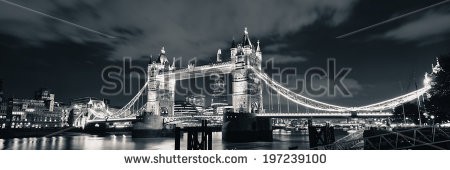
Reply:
x=413, y=138
x=30, y=132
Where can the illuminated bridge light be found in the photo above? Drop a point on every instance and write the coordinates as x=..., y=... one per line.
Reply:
x=329, y=110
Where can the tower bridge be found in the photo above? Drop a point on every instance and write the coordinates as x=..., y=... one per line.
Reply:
x=155, y=100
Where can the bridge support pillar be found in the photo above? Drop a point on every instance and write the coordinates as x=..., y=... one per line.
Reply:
x=246, y=127
x=148, y=125
x=96, y=128
x=264, y=128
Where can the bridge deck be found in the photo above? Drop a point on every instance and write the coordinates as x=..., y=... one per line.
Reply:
x=272, y=115
x=324, y=115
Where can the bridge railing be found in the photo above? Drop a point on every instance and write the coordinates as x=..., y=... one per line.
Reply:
x=132, y=101
x=199, y=68
x=314, y=104
x=299, y=99
x=430, y=137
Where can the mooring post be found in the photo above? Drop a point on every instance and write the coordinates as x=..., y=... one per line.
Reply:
x=189, y=140
x=193, y=142
x=325, y=133
x=312, y=134
x=195, y=139
x=210, y=140
x=177, y=138
x=203, y=143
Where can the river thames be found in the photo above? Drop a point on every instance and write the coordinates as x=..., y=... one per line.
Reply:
x=282, y=140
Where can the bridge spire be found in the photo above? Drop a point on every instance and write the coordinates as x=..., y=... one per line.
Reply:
x=258, y=49
x=162, y=56
x=246, y=40
x=437, y=68
x=173, y=63
x=162, y=50
x=233, y=43
x=219, y=55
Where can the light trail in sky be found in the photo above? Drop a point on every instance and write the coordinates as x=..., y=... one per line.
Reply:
x=58, y=19
x=392, y=19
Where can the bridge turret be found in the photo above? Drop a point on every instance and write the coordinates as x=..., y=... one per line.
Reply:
x=172, y=67
x=150, y=59
x=437, y=68
x=247, y=45
x=233, y=51
x=258, y=49
x=162, y=56
x=219, y=56
x=258, y=54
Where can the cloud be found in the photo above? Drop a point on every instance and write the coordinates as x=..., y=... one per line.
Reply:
x=186, y=28
x=428, y=27
x=284, y=59
x=275, y=47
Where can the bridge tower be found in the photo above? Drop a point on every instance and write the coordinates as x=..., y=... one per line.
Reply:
x=241, y=124
x=247, y=88
x=161, y=88
x=160, y=98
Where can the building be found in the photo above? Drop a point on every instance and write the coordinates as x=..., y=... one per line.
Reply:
x=1, y=91
x=82, y=110
x=41, y=112
x=48, y=98
x=197, y=100
x=30, y=113
x=219, y=98
x=183, y=108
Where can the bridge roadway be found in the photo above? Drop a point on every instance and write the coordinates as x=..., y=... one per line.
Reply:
x=325, y=115
x=271, y=115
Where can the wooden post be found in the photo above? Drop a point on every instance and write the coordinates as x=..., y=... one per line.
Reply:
x=193, y=143
x=210, y=140
x=177, y=138
x=189, y=140
x=312, y=134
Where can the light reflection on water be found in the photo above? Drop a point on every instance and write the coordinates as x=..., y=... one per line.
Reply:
x=282, y=140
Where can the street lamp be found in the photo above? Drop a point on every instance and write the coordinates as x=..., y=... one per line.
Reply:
x=432, y=118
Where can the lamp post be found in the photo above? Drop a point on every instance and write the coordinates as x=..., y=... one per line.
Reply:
x=432, y=119
x=433, y=128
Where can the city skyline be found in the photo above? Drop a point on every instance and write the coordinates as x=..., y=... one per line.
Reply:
x=225, y=75
x=69, y=61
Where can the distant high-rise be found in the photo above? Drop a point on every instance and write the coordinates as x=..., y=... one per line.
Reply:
x=219, y=98
x=42, y=94
x=196, y=100
x=1, y=91
x=47, y=97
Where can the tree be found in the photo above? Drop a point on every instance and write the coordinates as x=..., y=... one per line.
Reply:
x=71, y=118
x=411, y=113
x=437, y=102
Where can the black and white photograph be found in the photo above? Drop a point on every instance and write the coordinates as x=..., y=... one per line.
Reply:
x=299, y=77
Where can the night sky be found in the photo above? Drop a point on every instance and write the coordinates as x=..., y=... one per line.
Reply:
x=37, y=51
